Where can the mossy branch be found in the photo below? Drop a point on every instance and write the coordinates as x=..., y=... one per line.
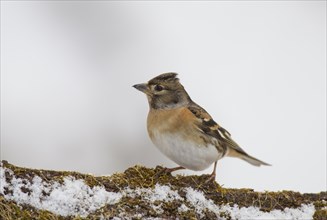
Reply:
x=139, y=177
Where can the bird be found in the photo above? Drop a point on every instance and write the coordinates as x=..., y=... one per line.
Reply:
x=184, y=131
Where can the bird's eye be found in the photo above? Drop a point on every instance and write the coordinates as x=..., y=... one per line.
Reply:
x=158, y=88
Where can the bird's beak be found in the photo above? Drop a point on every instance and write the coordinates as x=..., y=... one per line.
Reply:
x=143, y=87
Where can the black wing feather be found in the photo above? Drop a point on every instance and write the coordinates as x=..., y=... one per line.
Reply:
x=211, y=128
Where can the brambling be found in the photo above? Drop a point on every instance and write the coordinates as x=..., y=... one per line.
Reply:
x=183, y=130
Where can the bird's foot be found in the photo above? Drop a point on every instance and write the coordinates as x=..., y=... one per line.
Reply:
x=211, y=178
x=167, y=171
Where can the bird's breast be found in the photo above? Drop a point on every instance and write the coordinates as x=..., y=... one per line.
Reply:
x=174, y=134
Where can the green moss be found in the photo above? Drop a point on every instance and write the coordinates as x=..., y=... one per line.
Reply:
x=10, y=210
x=49, y=175
x=320, y=204
x=321, y=210
x=225, y=215
x=320, y=214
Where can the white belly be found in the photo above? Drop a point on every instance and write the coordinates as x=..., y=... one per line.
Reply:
x=186, y=153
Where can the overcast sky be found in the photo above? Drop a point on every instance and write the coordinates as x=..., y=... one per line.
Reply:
x=259, y=68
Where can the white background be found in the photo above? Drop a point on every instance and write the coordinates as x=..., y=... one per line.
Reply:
x=259, y=68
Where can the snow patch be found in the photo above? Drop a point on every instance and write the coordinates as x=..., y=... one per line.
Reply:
x=159, y=193
x=72, y=197
x=200, y=203
x=183, y=208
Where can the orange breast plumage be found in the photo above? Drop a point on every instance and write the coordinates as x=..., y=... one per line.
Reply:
x=175, y=134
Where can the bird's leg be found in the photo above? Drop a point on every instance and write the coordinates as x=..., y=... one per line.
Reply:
x=169, y=170
x=213, y=174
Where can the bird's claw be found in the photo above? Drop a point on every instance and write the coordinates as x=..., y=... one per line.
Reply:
x=167, y=171
x=211, y=178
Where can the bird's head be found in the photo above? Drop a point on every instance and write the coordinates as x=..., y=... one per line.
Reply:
x=164, y=92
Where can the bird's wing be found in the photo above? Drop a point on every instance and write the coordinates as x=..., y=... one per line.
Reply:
x=209, y=127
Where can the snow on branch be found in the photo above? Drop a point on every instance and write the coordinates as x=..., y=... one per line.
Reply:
x=139, y=193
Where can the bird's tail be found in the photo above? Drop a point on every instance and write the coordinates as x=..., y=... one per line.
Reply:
x=252, y=160
x=244, y=156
